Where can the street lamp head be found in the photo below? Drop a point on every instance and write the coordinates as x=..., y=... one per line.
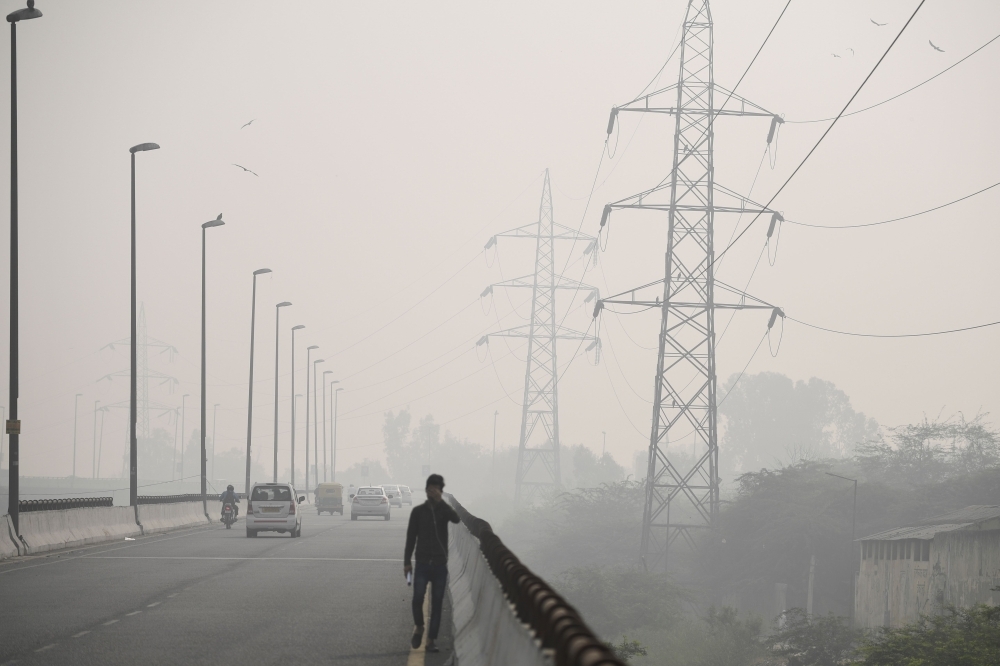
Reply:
x=338, y=390
x=79, y=395
x=261, y=271
x=217, y=222
x=24, y=14
x=283, y=304
x=295, y=328
x=313, y=347
x=327, y=372
x=319, y=360
x=142, y=146
x=186, y=395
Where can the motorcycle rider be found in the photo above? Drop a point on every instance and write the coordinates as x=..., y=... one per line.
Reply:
x=231, y=497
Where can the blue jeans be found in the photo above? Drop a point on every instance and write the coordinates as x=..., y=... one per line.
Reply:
x=437, y=576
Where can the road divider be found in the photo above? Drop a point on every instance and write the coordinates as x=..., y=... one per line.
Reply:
x=8, y=539
x=156, y=518
x=42, y=531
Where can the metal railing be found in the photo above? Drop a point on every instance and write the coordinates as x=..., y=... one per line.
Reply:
x=556, y=624
x=190, y=497
x=63, y=503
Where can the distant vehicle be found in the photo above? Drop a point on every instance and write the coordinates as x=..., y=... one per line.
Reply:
x=405, y=495
x=394, y=495
x=329, y=497
x=370, y=501
x=271, y=508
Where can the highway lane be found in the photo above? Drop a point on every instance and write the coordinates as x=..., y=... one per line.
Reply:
x=210, y=596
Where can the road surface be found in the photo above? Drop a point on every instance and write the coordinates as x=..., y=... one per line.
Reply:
x=212, y=596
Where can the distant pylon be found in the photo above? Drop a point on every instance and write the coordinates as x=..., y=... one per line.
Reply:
x=538, y=447
x=681, y=500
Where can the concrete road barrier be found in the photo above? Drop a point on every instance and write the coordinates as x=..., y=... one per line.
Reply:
x=8, y=540
x=487, y=631
x=163, y=517
x=50, y=530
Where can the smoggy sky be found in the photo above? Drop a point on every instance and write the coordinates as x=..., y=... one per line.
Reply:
x=393, y=139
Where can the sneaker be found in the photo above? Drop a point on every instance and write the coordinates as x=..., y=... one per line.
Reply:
x=431, y=646
x=418, y=634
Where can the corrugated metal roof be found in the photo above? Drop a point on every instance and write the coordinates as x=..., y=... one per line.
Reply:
x=915, y=532
x=970, y=514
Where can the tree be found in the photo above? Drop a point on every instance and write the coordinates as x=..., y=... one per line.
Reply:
x=771, y=420
x=618, y=599
x=958, y=637
x=589, y=471
x=818, y=641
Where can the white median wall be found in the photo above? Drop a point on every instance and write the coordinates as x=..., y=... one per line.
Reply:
x=8, y=540
x=487, y=631
x=163, y=517
x=51, y=530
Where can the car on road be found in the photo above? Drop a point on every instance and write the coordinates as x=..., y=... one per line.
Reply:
x=405, y=495
x=329, y=497
x=394, y=495
x=370, y=501
x=272, y=507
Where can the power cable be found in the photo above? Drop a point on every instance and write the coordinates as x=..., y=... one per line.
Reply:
x=898, y=335
x=868, y=108
x=825, y=132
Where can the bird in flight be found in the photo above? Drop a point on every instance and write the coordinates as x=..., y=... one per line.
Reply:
x=835, y=55
x=245, y=124
x=245, y=169
x=877, y=23
x=934, y=47
x=851, y=50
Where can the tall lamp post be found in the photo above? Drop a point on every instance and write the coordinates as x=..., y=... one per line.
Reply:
x=217, y=222
x=253, y=317
x=133, y=446
x=93, y=462
x=13, y=426
x=854, y=515
x=308, y=365
x=183, y=417
x=295, y=402
x=76, y=409
x=294, y=328
x=277, y=336
x=335, y=410
x=315, y=417
x=325, y=464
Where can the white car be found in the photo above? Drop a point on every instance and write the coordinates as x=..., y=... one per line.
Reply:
x=394, y=494
x=405, y=495
x=272, y=508
x=370, y=501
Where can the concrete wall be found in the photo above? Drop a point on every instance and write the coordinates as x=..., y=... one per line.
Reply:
x=963, y=566
x=163, y=517
x=51, y=530
x=9, y=546
x=487, y=632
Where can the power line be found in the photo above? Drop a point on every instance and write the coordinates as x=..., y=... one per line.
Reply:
x=827, y=131
x=895, y=219
x=898, y=335
x=868, y=108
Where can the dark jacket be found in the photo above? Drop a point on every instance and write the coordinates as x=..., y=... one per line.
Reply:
x=428, y=531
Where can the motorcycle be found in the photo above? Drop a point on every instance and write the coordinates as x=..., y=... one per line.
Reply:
x=228, y=515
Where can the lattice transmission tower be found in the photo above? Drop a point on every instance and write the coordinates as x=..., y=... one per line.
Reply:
x=538, y=464
x=683, y=497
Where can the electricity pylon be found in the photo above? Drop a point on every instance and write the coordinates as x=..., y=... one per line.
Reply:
x=679, y=498
x=144, y=374
x=538, y=447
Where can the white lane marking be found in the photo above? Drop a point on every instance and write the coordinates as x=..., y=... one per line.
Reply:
x=109, y=622
x=47, y=647
x=82, y=633
x=193, y=557
x=155, y=603
x=419, y=655
x=132, y=613
x=171, y=596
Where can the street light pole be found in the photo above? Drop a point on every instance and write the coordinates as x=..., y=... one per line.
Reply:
x=217, y=222
x=133, y=446
x=76, y=406
x=13, y=426
x=294, y=328
x=93, y=461
x=308, y=365
x=183, y=444
x=854, y=516
x=333, y=473
x=215, y=421
x=277, y=336
x=253, y=317
x=315, y=417
x=325, y=373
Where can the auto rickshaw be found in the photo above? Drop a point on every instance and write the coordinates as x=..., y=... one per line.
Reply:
x=329, y=497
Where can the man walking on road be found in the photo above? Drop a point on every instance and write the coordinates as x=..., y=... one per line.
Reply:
x=428, y=531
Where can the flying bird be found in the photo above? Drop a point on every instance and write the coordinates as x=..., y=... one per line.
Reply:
x=934, y=47
x=877, y=23
x=245, y=124
x=835, y=55
x=245, y=169
x=851, y=50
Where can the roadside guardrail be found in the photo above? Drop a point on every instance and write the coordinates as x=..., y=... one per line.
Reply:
x=63, y=503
